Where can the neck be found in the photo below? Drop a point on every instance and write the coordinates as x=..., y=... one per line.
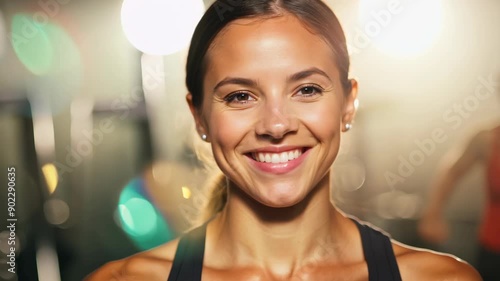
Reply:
x=278, y=239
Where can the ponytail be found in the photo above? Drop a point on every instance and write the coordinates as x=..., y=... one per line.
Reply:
x=216, y=197
x=213, y=194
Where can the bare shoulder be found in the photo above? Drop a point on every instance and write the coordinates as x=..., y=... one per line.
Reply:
x=479, y=144
x=154, y=264
x=481, y=138
x=421, y=264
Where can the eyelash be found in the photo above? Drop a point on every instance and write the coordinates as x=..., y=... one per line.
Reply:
x=316, y=88
x=233, y=97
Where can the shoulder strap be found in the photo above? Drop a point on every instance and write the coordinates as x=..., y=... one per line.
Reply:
x=379, y=256
x=188, y=260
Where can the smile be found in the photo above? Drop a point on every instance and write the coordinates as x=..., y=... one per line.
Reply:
x=276, y=158
x=278, y=161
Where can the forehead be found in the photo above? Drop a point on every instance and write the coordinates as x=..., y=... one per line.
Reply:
x=280, y=43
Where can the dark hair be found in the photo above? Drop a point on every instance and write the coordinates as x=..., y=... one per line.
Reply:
x=313, y=13
x=316, y=16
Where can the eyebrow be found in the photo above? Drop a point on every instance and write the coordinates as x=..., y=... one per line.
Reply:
x=306, y=73
x=292, y=78
x=237, y=81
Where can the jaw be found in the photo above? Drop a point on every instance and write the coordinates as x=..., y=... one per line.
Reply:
x=281, y=201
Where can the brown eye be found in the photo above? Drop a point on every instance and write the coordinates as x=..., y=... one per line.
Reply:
x=239, y=98
x=242, y=97
x=310, y=91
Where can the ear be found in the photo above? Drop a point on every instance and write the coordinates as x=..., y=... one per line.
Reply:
x=349, y=110
x=200, y=125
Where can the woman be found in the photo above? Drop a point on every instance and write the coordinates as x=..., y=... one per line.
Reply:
x=269, y=90
x=483, y=149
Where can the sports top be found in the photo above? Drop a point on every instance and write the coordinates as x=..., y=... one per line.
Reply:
x=377, y=249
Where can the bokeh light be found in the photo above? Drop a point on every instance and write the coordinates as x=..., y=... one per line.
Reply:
x=31, y=43
x=140, y=219
x=397, y=205
x=162, y=172
x=48, y=52
x=56, y=211
x=349, y=173
x=404, y=30
x=186, y=192
x=139, y=216
x=51, y=177
x=160, y=27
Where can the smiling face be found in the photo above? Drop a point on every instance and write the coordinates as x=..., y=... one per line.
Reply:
x=273, y=108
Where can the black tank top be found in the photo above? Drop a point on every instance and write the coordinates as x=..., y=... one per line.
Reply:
x=377, y=249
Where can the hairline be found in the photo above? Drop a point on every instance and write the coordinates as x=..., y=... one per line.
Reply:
x=262, y=18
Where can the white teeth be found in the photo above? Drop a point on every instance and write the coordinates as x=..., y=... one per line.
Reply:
x=268, y=158
x=261, y=157
x=284, y=157
x=277, y=157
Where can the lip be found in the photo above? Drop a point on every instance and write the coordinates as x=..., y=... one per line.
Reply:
x=278, y=149
x=279, y=168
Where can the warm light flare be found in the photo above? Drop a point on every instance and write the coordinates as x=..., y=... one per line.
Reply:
x=51, y=177
x=160, y=27
x=186, y=192
x=402, y=28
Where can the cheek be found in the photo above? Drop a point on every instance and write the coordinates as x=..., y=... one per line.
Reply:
x=323, y=119
x=228, y=128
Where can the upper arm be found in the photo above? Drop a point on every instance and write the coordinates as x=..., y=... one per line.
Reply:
x=428, y=265
x=133, y=268
x=455, y=269
x=458, y=161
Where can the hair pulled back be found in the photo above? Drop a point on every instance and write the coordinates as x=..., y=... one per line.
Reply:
x=316, y=16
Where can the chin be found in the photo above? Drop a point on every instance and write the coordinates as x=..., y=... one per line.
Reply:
x=283, y=198
x=282, y=204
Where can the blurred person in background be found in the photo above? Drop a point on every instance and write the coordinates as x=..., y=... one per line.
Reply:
x=269, y=90
x=483, y=149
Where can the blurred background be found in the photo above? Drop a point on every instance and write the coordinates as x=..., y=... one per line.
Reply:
x=94, y=120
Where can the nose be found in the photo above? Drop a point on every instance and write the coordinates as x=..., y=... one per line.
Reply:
x=275, y=121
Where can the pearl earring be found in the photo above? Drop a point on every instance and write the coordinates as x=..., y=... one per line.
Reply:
x=204, y=137
x=347, y=126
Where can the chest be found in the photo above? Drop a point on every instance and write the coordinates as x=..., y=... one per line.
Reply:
x=358, y=272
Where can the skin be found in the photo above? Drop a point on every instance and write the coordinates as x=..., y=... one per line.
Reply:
x=455, y=166
x=278, y=227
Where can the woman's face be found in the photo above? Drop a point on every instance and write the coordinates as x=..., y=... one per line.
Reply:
x=273, y=108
